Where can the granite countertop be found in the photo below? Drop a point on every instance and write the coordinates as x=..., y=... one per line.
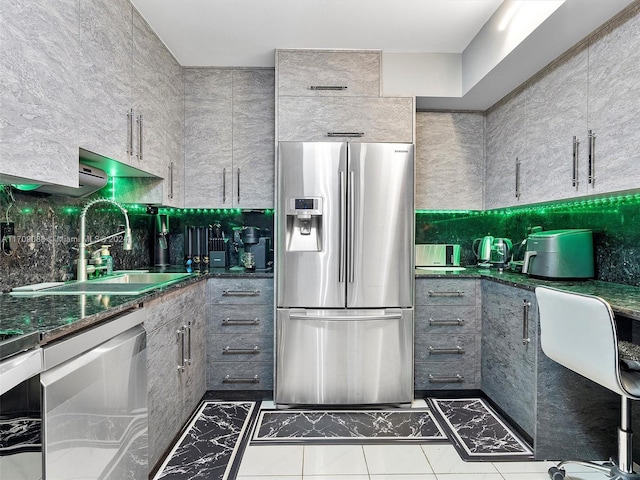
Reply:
x=40, y=319
x=624, y=299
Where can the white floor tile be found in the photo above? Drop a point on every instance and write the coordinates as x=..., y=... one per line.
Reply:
x=523, y=467
x=334, y=460
x=526, y=476
x=469, y=476
x=334, y=477
x=444, y=459
x=270, y=477
x=271, y=460
x=390, y=459
x=419, y=403
x=424, y=476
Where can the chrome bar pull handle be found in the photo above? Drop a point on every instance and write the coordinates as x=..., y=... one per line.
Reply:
x=228, y=322
x=230, y=379
x=457, y=293
x=130, y=132
x=518, y=192
x=576, y=158
x=342, y=220
x=170, y=194
x=224, y=185
x=592, y=158
x=188, y=327
x=446, y=378
x=331, y=88
x=180, y=333
x=140, y=132
x=238, y=180
x=458, y=322
x=346, y=134
x=526, y=305
x=241, y=351
x=240, y=293
x=458, y=350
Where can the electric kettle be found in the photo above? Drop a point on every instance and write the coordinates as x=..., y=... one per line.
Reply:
x=482, y=248
x=500, y=252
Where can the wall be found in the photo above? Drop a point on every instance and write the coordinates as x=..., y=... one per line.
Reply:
x=615, y=223
x=47, y=226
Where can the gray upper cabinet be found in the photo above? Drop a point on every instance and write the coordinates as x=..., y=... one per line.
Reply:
x=329, y=73
x=38, y=99
x=229, y=139
x=556, y=116
x=334, y=95
x=106, y=46
x=449, y=160
x=505, y=153
x=614, y=103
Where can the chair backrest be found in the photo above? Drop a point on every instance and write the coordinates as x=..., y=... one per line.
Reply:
x=578, y=331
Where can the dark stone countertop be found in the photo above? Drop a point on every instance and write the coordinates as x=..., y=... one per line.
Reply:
x=40, y=319
x=624, y=299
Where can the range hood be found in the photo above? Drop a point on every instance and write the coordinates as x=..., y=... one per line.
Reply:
x=90, y=179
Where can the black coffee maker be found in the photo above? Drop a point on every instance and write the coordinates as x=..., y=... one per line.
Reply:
x=257, y=249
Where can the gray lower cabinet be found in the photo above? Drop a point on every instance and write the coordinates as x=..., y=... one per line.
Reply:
x=38, y=98
x=229, y=138
x=447, y=334
x=175, y=363
x=240, y=334
x=508, y=354
x=449, y=160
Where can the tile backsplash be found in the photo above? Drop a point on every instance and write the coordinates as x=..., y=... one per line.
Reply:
x=46, y=233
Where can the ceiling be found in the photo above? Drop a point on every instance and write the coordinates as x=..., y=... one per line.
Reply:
x=487, y=62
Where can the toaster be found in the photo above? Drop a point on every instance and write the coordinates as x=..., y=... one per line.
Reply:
x=559, y=254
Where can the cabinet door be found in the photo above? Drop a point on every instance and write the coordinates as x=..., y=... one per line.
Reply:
x=253, y=138
x=341, y=73
x=106, y=46
x=384, y=119
x=449, y=160
x=174, y=168
x=556, y=112
x=194, y=377
x=208, y=138
x=614, y=102
x=508, y=360
x=150, y=59
x=505, y=144
x=38, y=99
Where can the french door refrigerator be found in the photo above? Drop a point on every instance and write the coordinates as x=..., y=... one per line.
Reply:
x=345, y=274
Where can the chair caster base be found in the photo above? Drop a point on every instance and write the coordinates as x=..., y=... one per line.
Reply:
x=556, y=473
x=610, y=469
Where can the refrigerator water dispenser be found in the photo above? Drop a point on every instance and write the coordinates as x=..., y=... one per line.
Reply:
x=304, y=224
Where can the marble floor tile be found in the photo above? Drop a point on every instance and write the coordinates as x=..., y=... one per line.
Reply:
x=469, y=476
x=444, y=459
x=396, y=459
x=334, y=460
x=523, y=467
x=394, y=476
x=279, y=460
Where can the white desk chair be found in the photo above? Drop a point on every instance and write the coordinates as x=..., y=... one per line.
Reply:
x=578, y=332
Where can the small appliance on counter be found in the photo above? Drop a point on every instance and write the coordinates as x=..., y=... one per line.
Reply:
x=196, y=246
x=437, y=255
x=492, y=251
x=161, y=241
x=560, y=254
x=257, y=249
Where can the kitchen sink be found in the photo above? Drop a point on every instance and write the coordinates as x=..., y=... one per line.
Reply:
x=129, y=283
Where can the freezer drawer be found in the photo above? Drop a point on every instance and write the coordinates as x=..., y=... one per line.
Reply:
x=344, y=357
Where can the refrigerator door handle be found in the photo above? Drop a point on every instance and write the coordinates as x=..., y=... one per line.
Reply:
x=388, y=316
x=343, y=216
x=352, y=227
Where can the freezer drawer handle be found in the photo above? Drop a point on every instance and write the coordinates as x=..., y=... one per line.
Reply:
x=241, y=351
x=446, y=351
x=240, y=293
x=230, y=379
x=227, y=322
x=446, y=379
x=347, y=317
x=442, y=323
x=457, y=293
x=345, y=134
x=328, y=87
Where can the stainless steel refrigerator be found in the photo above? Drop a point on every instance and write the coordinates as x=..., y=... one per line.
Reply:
x=345, y=274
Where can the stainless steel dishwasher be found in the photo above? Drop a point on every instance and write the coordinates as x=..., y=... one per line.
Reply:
x=94, y=391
